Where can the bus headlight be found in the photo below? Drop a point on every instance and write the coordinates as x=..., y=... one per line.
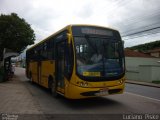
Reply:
x=120, y=81
x=83, y=84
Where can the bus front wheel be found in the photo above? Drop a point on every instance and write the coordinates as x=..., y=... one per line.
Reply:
x=30, y=77
x=53, y=89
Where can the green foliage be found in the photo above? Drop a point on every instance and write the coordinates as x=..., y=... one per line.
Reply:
x=156, y=82
x=15, y=33
x=147, y=46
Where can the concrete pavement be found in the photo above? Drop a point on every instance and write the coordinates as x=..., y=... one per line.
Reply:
x=143, y=83
x=15, y=98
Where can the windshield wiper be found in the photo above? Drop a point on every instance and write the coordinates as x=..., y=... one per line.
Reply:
x=90, y=43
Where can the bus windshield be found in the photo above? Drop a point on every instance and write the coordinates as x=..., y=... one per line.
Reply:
x=99, y=57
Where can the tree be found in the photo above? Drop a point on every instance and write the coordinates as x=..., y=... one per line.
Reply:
x=147, y=46
x=15, y=33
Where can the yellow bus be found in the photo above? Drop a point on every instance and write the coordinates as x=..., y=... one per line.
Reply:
x=79, y=61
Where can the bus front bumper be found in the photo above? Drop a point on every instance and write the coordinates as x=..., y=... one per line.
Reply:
x=76, y=92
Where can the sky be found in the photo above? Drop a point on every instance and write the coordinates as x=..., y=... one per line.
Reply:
x=128, y=16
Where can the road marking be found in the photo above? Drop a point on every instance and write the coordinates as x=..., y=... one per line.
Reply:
x=143, y=96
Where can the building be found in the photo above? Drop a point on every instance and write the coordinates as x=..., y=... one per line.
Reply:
x=154, y=52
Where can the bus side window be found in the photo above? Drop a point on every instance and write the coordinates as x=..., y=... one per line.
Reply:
x=50, y=48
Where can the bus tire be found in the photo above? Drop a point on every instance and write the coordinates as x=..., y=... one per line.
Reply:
x=53, y=88
x=30, y=77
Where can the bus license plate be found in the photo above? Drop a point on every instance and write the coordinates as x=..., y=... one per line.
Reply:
x=102, y=93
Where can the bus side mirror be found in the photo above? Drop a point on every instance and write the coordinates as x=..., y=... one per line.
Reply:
x=123, y=42
x=69, y=38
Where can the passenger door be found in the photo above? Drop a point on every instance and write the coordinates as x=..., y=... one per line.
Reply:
x=60, y=61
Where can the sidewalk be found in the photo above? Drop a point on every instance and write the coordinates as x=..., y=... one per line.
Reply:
x=15, y=98
x=143, y=83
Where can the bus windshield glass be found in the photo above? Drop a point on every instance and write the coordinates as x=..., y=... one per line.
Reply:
x=99, y=57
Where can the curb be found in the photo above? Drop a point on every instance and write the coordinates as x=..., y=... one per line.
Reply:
x=144, y=84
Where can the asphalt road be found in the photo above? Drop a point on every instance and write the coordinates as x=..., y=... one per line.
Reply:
x=136, y=99
x=146, y=91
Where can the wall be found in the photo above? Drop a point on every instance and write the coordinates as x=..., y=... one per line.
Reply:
x=155, y=73
x=145, y=73
x=156, y=54
x=142, y=69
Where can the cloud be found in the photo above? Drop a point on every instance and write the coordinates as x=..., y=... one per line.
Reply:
x=84, y=12
x=137, y=41
x=47, y=17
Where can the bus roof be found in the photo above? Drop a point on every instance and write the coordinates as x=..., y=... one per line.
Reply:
x=67, y=28
x=91, y=25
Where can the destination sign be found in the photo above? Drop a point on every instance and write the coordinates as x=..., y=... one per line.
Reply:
x=82, y=30
x=96, y=31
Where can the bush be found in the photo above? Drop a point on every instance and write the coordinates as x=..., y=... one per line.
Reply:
x=156, y=81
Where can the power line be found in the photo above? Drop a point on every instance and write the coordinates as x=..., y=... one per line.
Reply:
x=150, y=15
x=140, y=36
x=120, y=4
x=141, y=31
x=141, y=28
x=142, y=17
x=149, y=20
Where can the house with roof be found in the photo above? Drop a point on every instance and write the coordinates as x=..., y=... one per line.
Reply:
x=141, y=67
x=155, y=52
